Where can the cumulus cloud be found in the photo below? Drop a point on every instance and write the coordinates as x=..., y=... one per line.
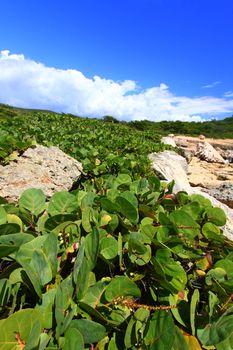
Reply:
x=26, y=83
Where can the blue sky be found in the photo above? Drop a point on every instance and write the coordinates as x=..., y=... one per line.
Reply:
x=187, y=46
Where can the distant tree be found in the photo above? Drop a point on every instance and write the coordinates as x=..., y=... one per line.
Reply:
x=110, y=119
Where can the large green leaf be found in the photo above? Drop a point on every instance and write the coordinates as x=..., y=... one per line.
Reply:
x=62, y=203
x=21, y=323
x=92, y=247
x=193, y=306
x=171, y=274
x=91, y=331
x=8, y=229
x=121, y=286
x=108, y=247
x=32, y=200
x=5, y=292
x=94, y=293
x=184, y=223
x=216, y=215
x=128, y=206
x=160, y=334
x=218, y=331
x=73, y=340
x=12, y=242
x=3, y=217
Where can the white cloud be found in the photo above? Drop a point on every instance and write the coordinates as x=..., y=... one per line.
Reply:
x=228, y=94
x=212, y=85
x=26, y=83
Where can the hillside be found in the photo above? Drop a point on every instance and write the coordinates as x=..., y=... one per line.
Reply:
x=102, y=147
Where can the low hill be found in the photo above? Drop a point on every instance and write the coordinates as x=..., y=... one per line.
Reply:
x=212, y=129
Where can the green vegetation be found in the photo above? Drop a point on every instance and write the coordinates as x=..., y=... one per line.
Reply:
x=213, y=129
x=103, y=147
x=120, y=262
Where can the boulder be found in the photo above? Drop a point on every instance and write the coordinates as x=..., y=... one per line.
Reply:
x=181, y=143
x=170, y=166
x=49, y=169
x=205, y=151
x=167, y=140
x=223, y=193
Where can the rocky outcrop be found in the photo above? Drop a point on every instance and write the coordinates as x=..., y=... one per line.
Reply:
x=207, y=152
x=208, y=175
x=170, y=166
x=168, y=140
x=49, y=169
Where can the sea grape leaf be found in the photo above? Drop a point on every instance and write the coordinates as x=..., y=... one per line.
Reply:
x=81, y=271
x=52, y=222
x=94, y=293
x=192, y=342
x=73, y=340
x=216, y=215
x=160, y=334
x=128, y=206
x=3, y=216
x=211, y=231
x=38, y=270
x=121, y=286
x=34, y=337
x=20, y=323
x=63, y=300
x=171, y=273
x=92, y=247
x=86, y=219
x=123, y=179
x=46, y=308
x=193, y=209
x=88, y=200
x=33, y=200
x=14, y=219
x=91, y=331
x=108, y=247
x=204, y=202
x=5, y=292
x=138, y=252
x=218, y=331
x=51, y=250
x=193, y=306
x=62, y=203
x=8, y=229
x=12, y=242
x=184, y=223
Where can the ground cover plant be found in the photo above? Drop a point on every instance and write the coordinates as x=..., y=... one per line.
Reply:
x=124, y=266
x=120, y=262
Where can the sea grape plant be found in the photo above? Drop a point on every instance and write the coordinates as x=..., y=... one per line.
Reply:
x=118, y=264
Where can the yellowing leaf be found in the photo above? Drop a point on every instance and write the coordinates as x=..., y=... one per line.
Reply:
x=14, y=219
x=105, y=219
x=193, y=343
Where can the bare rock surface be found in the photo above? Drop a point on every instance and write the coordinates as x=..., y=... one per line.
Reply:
x=49, y=169
x=170, y=166
x=168, y=140
x=223, y=193
x=208, y=175
x=208, y=153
